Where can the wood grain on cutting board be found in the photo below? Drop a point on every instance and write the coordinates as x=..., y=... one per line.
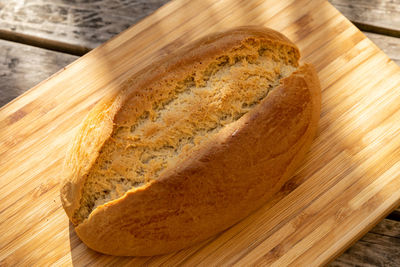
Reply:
x=348, y=181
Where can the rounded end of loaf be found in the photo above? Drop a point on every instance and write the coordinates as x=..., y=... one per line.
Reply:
x=84, y=149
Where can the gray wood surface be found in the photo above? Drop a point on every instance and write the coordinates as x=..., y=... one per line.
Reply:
x=22, y=67
x=380, y=16
x=379, y=247
x=82, y=25
x=389, y=45
x=74, y=22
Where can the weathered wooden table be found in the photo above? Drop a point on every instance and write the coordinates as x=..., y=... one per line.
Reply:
x=40, y=37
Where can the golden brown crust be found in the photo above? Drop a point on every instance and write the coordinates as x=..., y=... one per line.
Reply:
x=84, y=149
x=241, y=168
x=195, y=56
x=176, y=210
x=97, y=126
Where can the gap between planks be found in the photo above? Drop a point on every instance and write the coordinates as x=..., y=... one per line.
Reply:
x=43, y=43
x=77, y=50
x=376, y=29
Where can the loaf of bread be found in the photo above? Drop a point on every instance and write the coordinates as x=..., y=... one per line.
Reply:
x=191, y=144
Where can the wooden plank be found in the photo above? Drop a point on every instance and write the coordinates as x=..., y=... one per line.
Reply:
x=77, y=27
x=380, y=16
x=379, y=247
x=349, y=180
x=389, y=228
x=85, y=24
x=389, y=45
x=22, y=67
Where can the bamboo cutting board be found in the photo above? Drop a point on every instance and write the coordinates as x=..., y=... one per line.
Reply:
x=348, y=182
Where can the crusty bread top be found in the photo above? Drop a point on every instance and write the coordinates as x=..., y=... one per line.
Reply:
x=235, y=172
x=100, y=166
x=201, y=139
